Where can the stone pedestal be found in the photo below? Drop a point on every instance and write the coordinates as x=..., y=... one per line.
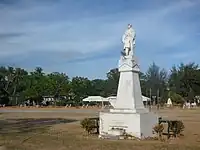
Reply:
x=139, y=125
x=129, y=114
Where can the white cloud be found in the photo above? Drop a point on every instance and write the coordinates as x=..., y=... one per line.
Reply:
x=154, y=28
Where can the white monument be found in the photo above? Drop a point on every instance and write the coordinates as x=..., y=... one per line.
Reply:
x=169, y=102
x=129, y=115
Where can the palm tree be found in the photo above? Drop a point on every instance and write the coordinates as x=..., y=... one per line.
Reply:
x=19, y=75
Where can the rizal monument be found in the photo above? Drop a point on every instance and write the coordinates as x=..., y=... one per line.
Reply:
x=129, y=115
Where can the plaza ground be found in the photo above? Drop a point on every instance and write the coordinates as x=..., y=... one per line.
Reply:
x=59, y=129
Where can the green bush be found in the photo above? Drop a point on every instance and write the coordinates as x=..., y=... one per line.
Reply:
x=60, y=103
x=180, y=127
x=176, y=98
x=88, y=125
x=159, y=130
x=177, y=127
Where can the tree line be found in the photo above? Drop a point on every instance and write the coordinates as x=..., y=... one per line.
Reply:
x=17, y=85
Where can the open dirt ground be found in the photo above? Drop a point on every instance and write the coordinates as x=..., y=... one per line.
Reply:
x=59, y=129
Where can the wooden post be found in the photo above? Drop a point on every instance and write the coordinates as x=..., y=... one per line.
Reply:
x=158, y=100
x=102, y=104
x=150, y=99
x=159, y=120
x=168, y=134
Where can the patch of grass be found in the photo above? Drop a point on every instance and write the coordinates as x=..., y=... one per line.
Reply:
x=70, y=136
x=27, y=125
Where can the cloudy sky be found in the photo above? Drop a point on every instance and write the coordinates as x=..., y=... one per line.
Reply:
x=83, y=37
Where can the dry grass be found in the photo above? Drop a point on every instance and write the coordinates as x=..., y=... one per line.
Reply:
x=18, y=131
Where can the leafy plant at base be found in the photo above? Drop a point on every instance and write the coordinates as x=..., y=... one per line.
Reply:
x=177, y=127
x=159, y=130
x=88, y=125
x=180, y=127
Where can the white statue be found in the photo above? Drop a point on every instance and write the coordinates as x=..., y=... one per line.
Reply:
x=129, y=41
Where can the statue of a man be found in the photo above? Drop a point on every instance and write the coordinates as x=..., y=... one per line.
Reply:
x=129, y=40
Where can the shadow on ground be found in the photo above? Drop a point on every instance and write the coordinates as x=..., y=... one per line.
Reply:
x=10, y=126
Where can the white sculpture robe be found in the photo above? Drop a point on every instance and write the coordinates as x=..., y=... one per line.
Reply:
x=129, y=40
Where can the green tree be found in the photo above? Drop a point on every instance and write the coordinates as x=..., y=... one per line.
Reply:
x=11, y=79
x=98, y=86
x=112, y=82
x=36, y=82
x=143, y=84
x=57, y=84
x=185, y=80
x=156, y=80
x=17, y=84
x=80, y=89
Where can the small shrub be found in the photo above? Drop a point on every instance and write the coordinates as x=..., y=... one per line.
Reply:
x=176, y=127
x=131, y=137
x=88, y=125
x=159, y=130
x=151, y=138
x=180, y=127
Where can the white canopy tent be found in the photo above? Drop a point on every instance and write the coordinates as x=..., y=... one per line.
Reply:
x=95, y=99
x=111, y=99
x=145, y=99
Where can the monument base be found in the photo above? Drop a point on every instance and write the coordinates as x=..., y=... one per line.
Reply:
x=141, y=110
x=116, y=123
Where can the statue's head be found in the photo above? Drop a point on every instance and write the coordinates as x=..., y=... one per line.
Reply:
x=129, y=26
